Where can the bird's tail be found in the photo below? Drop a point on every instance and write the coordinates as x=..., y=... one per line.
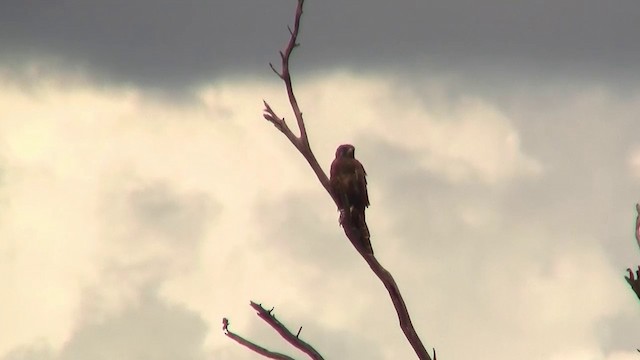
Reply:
x=366, y=238
x=358, y=221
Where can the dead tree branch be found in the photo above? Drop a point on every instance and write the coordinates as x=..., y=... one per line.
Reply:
x=269, y=318
x=300, y=142
x=353, y=234
x=638, y=224
x=634, y=280
x=251, y=345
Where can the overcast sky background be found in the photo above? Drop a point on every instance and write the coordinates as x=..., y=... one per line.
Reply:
x=143, y=197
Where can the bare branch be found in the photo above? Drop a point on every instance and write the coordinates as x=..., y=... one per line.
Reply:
x=634, y=281
x=251, y=345
x=401, y=309
x=275, y=71
x=280, y=124
x=358, y=237
x=302, y=142
x=270, y=319
x=285, y=75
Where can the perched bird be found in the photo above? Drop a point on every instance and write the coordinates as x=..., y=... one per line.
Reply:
x=348, y=185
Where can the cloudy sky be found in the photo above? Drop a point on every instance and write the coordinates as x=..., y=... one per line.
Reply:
x=143, y=197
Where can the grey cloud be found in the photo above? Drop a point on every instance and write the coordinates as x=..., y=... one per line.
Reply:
x=178, y=218
x=37, y=351
x=582, y=200
x=298, y=229
x=151, y=216
x=152, y=329
x=587, y=189
x=156, y=212
x=584, y=197
x=146, y=42
x=163, y=43
x=619, y=333
x=584, y=160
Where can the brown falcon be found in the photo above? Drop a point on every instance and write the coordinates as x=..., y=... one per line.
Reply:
x=348, y=184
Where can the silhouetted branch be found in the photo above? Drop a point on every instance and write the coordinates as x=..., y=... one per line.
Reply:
x=353, y=233
x=638, y=224
x=251, y=345
x=300, y=142
x=634, y=281
x=269, y=318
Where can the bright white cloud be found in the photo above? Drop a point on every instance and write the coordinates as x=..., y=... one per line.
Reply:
x=634, y=162
x=72, y=156
x=620, y=355
x=460, y=139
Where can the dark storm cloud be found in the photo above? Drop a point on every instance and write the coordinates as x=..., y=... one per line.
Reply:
x=148, y=42
x=170, y=43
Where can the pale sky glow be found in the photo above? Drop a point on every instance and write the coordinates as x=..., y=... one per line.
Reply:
x=634, y=162
x=128, y=193
x=136, y=210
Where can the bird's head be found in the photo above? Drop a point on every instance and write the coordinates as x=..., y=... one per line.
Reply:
x=345, y=151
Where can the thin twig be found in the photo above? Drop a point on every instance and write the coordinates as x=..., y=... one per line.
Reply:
x=286, y=75
x=634, y=280
x=280, y=124
x=270, y=319
x=302, y=142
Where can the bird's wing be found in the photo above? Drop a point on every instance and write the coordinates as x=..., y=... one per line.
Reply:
x=361, y=178
x=335, y=183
